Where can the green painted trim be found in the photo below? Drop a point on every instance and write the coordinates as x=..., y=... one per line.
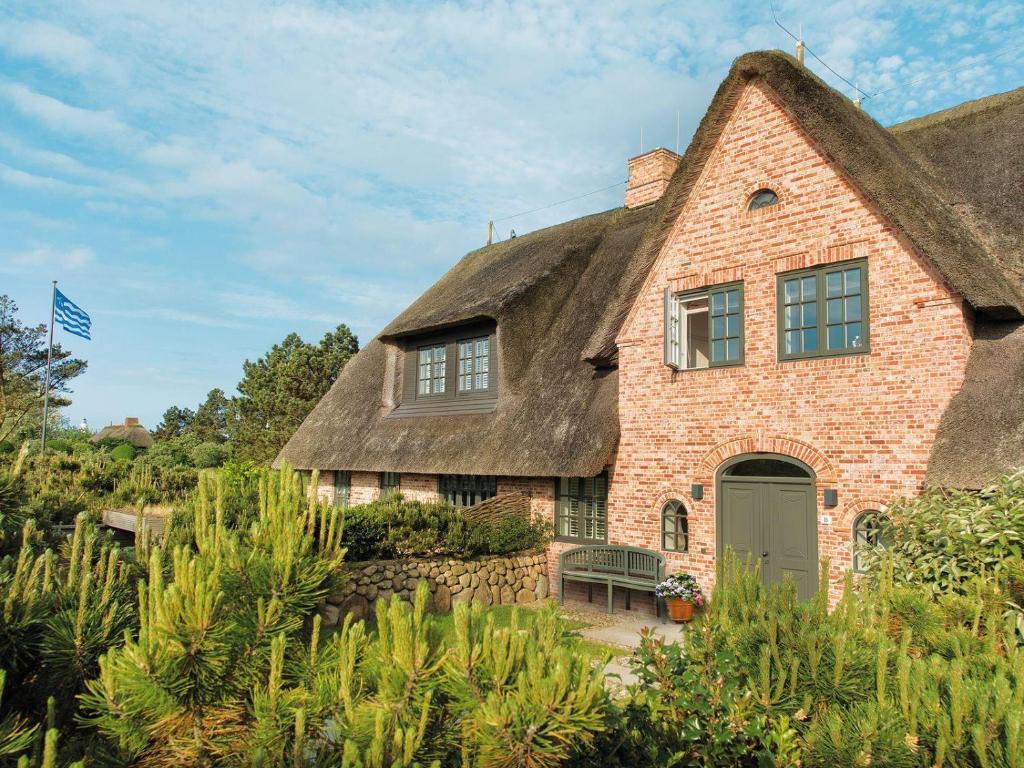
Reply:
x=819, y=273
x=708, y=291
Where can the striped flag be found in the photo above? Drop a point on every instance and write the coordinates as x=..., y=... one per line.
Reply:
x=70, y=316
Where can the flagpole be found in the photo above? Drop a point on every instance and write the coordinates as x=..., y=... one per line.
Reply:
x=49, y=358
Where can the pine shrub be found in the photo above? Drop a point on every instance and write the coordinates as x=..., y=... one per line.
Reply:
x=890, y=677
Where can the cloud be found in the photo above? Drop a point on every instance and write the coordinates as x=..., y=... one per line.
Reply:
x=53, y=257
x=53, y=45
x=65, y=118
x=261, y=304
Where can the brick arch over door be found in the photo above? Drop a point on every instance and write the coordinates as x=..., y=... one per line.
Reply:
x=824, y=470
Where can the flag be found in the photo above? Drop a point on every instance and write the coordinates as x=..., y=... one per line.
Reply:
x=70, y=316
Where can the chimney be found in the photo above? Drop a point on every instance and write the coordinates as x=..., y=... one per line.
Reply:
x=131, y=421
x=649, y=174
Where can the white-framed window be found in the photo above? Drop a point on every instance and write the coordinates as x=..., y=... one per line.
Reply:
x=704, y=329
x=431, y=367
x=474, y=364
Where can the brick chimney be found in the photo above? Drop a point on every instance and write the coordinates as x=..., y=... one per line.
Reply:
x=648, y=176
x=131, y=421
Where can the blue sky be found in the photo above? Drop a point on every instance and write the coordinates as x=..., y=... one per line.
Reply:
x=206, y=177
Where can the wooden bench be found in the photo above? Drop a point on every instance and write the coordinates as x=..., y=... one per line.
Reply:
x=632, y=568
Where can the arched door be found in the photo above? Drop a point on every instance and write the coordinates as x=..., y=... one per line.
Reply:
x=767, y=511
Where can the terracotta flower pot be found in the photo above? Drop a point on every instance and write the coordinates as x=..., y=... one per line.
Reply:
x=679, y=610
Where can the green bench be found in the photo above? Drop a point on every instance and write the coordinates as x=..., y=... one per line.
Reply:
x=631, y=568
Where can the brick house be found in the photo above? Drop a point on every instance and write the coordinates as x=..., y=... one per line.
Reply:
x=802, y=318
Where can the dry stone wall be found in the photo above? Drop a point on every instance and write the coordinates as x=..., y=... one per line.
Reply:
x=508, y=580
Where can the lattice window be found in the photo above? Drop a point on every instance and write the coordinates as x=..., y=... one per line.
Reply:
x=467, y=490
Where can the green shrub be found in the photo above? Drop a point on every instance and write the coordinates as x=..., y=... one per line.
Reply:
x=58, y=445
x=396, y=527
x=7, y=447
x=889, y=677
x=123, y=452
x=506, y=535
x=209, y=455
x=944, y=539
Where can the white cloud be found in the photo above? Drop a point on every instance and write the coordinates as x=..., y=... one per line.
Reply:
x=53, y=257
x=53, y=45
x=65, y=118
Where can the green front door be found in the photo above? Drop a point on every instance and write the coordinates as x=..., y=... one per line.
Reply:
x=772, y=520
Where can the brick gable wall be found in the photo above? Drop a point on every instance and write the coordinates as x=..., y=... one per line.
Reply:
x=865, y=423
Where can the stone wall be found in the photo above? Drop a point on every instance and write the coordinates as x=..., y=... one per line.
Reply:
x=508, y=580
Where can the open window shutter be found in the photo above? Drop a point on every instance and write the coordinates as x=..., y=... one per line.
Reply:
x=671, y=330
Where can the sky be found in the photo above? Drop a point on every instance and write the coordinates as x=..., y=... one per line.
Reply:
x=204, y=178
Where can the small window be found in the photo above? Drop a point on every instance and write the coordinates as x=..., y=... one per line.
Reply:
x=474, y=364
x=342, y=487
x=581, y=508
x=766, y=467
x=675, y=527
x=868, y=531
x=823, y=311
x=467, y=490
x=390, y=484
x=431, y=366
x=704, y=329
x=762, y=199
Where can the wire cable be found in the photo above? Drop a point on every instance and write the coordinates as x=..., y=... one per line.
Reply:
x=820, y=60
x=560, y=202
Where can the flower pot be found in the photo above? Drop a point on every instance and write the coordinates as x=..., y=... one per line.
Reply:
x=679, y=610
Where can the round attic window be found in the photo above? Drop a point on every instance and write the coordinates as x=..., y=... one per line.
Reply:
x=762, y=199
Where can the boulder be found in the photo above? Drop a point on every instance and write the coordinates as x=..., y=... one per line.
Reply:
x=465, y=596
x=457, y=570
x=507, y=595
x=495, y=595
x=466, y=580
x=329, y=614
x=525, y=596
x=443, y=599
x=358, y=606
x=482, y=596
x=542, y=587
x=529, y=583
x=370, y=570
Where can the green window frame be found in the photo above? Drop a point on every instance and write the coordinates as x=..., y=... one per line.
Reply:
x=704, y=328
x=431, y=365
x=675, y=527
x=823, y=311
x=466, y=490
x=581, y=509
x=390, y=484
x=342, y=487
x=868, y=531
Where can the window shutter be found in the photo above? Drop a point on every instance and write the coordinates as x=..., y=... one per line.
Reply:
x=672, y=355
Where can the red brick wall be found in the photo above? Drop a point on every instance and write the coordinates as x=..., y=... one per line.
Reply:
x=865, y=423
x=649, y=175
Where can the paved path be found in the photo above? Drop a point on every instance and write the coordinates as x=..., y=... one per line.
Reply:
x=621, y=630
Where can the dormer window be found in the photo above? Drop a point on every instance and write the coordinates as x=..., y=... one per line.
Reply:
x=450, y=372
x=763, y=198
x=474, y=364
x=432, y=365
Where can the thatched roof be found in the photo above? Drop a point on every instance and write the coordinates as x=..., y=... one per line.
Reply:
x=556, y=414
x=560, y=295
x=131, y=431
x=982, y=431
x=976, y=152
